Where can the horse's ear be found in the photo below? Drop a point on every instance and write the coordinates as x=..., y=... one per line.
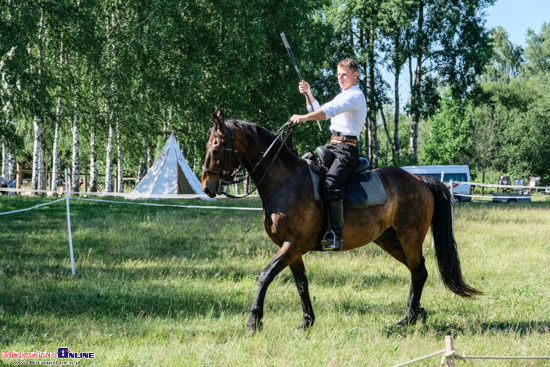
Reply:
x=218, y=120
x=220, y=114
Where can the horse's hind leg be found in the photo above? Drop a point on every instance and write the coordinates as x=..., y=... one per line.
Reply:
x=419, y=274
x=414, y=261
x=299, y=273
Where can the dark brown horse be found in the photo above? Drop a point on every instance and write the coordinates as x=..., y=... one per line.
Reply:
x=294, y=220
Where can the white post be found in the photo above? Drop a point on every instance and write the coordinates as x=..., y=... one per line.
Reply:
x=69, y=220
x=451, y=189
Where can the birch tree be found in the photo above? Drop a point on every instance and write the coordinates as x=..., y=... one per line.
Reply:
x=36, y=100
x=56, y=160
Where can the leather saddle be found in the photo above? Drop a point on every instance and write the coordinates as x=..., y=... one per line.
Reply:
x=323, y=159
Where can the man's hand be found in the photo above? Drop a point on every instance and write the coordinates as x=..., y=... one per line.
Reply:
x=298, y=119
x=304, y=88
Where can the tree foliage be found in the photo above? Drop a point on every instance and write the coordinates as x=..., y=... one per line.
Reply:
x=137, y=70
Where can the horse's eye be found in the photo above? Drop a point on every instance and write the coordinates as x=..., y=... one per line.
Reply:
x=216, y=151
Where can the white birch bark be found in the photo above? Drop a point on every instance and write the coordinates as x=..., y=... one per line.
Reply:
x=38, y=157
x=36, y=163
x=93, y=163
x=56, y=160
x=11, y=165
x=42, y=169
x=120, y=167
x=75, y=184
x=4, y=160
x=76, y=127
x=109, y=187
x=109, y=162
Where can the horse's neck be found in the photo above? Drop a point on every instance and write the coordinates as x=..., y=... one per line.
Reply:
x=270, y=175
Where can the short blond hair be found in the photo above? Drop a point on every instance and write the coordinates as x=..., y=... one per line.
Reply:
x=349, y=63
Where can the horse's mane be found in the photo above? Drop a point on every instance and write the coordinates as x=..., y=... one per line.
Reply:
x=257, y=134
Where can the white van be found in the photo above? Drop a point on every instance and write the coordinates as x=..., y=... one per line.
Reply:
x=447, y=173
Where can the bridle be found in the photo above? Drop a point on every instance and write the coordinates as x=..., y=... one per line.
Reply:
x=230, y=178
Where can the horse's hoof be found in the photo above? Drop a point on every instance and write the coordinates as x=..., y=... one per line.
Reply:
x=306, y=324
x=422, y=315
x=254, y=325
x=419, y=314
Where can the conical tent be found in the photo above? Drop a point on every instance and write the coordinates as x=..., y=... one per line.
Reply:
x=169, y=175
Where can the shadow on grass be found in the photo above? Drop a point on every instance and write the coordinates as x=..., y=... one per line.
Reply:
x=116, y=293
x=517, y=327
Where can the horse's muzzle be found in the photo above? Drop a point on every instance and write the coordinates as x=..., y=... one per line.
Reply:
x=210, y=188
x=209, y=192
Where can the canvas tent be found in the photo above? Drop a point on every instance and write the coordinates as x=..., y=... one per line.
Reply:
x=169, y=175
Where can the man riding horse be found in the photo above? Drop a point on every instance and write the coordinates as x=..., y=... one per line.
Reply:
x=347, y=113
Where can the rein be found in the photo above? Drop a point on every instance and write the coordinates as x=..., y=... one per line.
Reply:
x=231, y=149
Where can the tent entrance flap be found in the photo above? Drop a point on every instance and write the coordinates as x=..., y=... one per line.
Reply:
x=183, y=185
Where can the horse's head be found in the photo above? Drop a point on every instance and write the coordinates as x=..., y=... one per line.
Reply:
x=221, y=162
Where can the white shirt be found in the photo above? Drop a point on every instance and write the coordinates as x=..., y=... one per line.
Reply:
x=347, y=111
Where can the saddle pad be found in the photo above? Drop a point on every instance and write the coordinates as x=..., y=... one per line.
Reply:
x=363, y=190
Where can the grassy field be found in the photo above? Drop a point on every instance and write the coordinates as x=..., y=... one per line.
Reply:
x=173, y=287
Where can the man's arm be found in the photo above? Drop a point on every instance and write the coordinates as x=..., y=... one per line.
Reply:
x=312, y=116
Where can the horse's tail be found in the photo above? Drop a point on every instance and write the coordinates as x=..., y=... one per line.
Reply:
x=444, y=240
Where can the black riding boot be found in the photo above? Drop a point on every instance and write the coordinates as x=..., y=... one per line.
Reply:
x=333, y=238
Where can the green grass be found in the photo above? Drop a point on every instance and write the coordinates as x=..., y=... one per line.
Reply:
x=173, y=286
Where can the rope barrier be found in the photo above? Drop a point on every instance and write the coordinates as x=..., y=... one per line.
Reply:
x=113, y=194
x=420, y=358
x=463, y=357
x=170, y=205
x=31, y=208
x=449, y=356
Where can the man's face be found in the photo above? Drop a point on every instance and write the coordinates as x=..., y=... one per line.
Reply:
x=346, y=77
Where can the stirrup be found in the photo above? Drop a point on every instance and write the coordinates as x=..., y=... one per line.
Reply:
x=331, y=245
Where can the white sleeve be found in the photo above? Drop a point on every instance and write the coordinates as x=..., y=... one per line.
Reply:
x=315, y=106
x=340, y=105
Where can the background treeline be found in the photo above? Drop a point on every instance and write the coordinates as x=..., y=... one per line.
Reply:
x=97, y=85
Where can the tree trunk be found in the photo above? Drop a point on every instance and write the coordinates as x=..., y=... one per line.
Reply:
x=371, y=112
x=149, y=153
x=111, y=105
x=38, y=157
x=75, y=185
x=43, y=181
x=142, y=169
x=93, y=164
x=11, y=165
x=37, y=153
x=415, y=92
x=109, y=162
x=56, y=161
x=398, y=66
x=4, y=160
x=120, y=180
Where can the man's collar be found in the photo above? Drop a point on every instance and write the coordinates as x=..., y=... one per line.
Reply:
x=355, y=86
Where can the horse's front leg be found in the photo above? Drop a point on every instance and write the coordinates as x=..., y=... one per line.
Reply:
x=284, y=257
x=300, y=278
